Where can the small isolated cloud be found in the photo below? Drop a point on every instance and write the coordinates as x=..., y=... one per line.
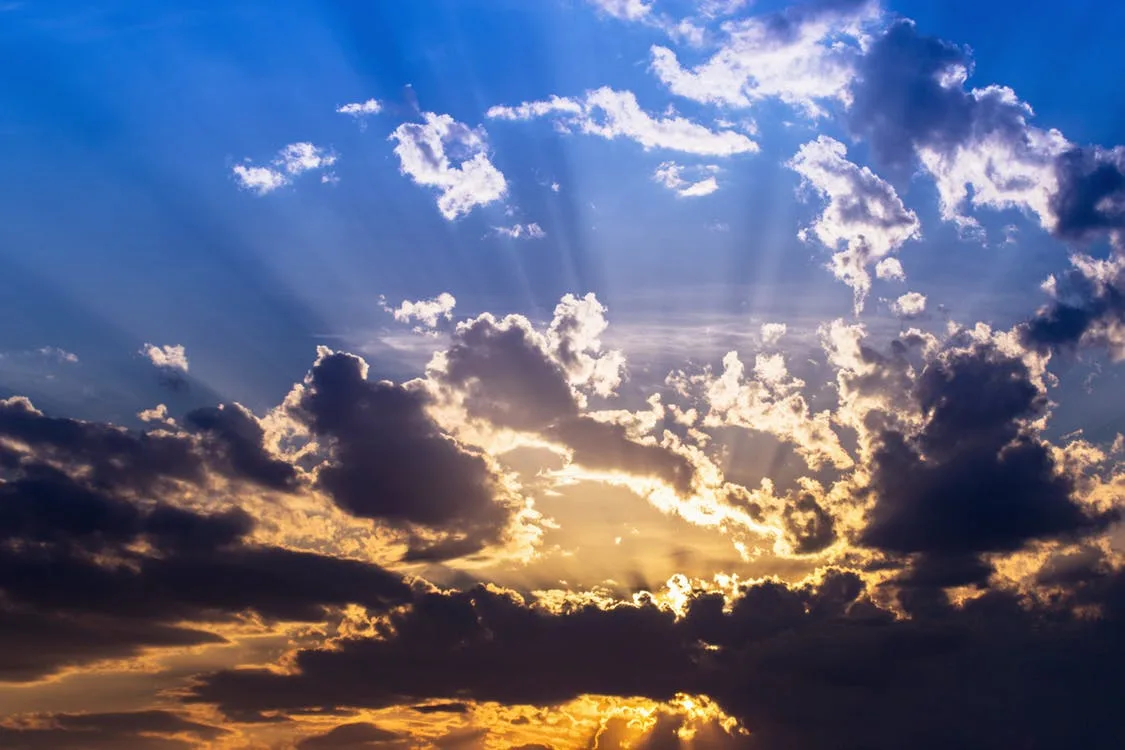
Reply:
x=158, y=413
x=59, y=355
x=360, y=110
x=168, y=357
x=451, y=157
x=614, y=114
x=772, y=333
x=890, y=269
x=864, y=214
x=555, y=187
x=291, y=161
x=530, y=231
x=627, y=10
x=672, y=176
x=424, y=311
x=909, y=305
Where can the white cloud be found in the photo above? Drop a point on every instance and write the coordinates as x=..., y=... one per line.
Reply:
x=292, y=160
x=616, y=114
x=717, y=8
x=452, y=157
x=158, y=413
x=261, y=180
x=53, y=352
x=627, y=10
x=171, y=356
x=555, y=187
x=864, y=215
x=890, y=269
x=671, y=175
x=772, y=333
x=801, y=57
x=425, y=311
x=297, y=158
x=909, y=305
x=360, y=110
x=530, y=231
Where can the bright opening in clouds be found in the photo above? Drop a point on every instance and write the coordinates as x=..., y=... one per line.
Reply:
x=563, y=374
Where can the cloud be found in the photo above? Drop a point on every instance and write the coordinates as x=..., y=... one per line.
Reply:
x=359, y=734
x=144, y=730
x=910, y=101
x=388, y=460
x=909, y=305
x=291, y=161
x=802, y=56
x=1088, y=308
x=864, y=213
x=890, y=269
x=670, y=175
x=772, y=333
x=170, y=356
x=530, y=231
x=425, y=311
x=360, y=110
x=452, y=157
x=628, y=10
x=616, y=114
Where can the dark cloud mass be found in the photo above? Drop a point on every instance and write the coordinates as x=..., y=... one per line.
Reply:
x=144, y=730
x=975, y=479
x=391, y=461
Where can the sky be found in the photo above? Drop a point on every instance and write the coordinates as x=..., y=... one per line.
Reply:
x=562, y=374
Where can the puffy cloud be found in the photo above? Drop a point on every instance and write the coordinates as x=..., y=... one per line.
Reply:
x=388, y=460
x=890, y=269
x=769, y=400
x=360, y=110
x=802, y=56
x=773, y=333
x=356, y=734
x=671, y=175
x=452, y=157
x=426, y=311
x=1088, y=308
x=628, y=10
x=530, y=231
x=616, y=114
x=910, y=100
x=909, y=305
x=975, y=478
x=864, y=213
x=291, y=161
x=170, y=356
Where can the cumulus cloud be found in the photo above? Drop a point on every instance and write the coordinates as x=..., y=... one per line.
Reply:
x=773, y=333
x=1088, y=308
x=291, y=161
x=360, y=110
x=169, y=356
x=911, y=102
x=530, y=231
x=629, y=10
x=864, y=215
x=452, y=157
x=616, y=114
x=803, y=56
x=671, y=175
x=426, y=312
x=909, y=305
x=890, y=269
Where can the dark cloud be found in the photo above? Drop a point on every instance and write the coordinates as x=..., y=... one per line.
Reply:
x=143, y=730
x=390, y=461
x=120, y=459
x=1088, y=310
x=354, y=735
x=809, y=527
x=1090, y=199
x=810, y=668
x=87, y=575
x=236, y=442
x=975, y=479
x=510, y=379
